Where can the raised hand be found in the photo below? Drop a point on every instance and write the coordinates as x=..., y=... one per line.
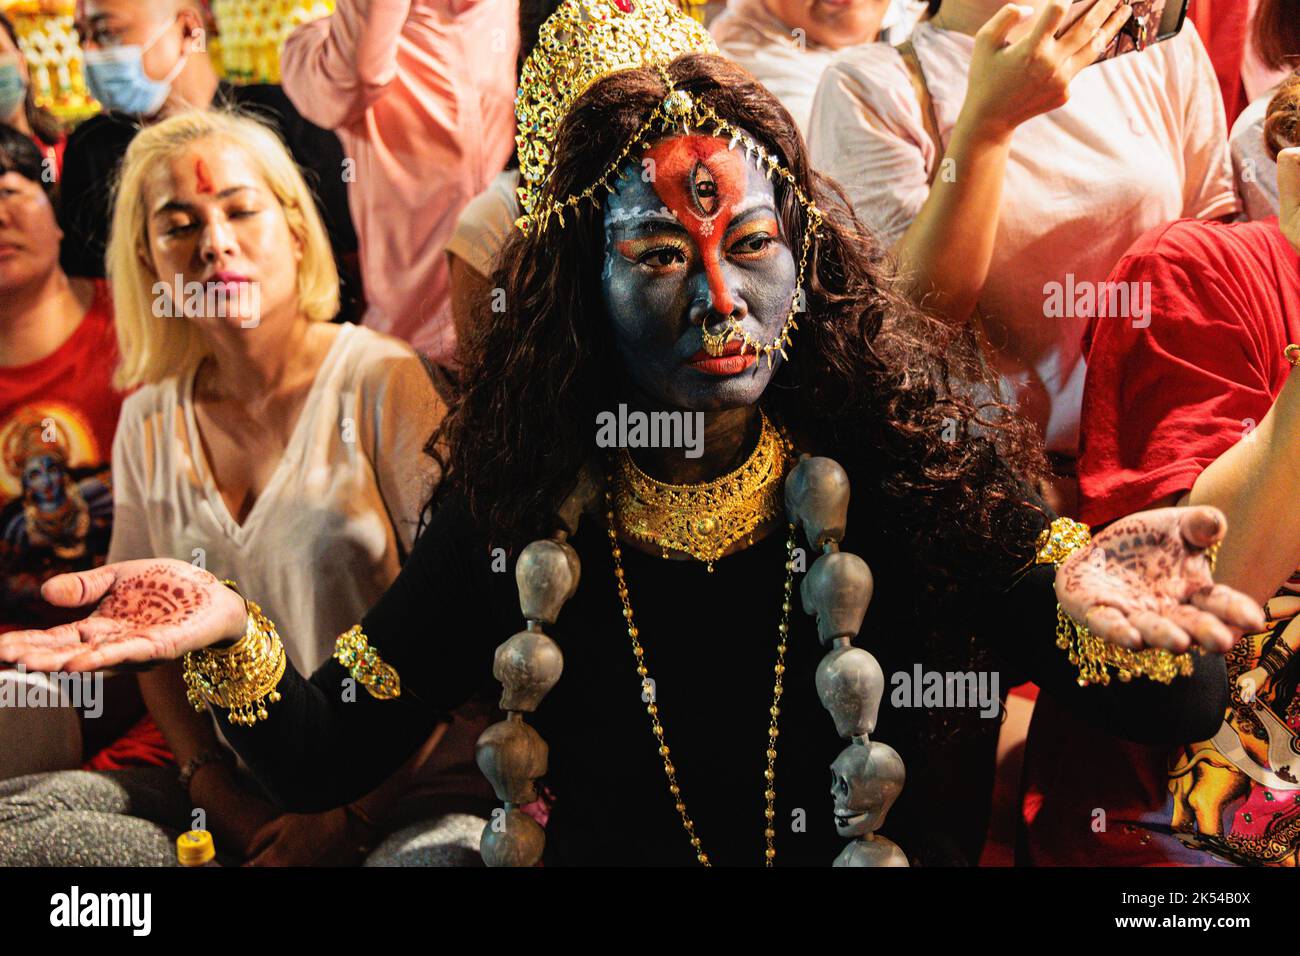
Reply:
x=1011, y=82
x=1145, y=582
x=149, y=610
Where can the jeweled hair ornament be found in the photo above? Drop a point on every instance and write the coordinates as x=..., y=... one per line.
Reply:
x=588, y=40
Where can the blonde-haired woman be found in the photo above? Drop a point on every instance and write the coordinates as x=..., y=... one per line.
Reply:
x=264, y=442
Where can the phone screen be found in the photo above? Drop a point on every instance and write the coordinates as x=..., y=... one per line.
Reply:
x=1151, y=22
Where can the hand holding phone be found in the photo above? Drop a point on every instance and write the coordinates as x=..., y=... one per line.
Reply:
x=1152, y=21
x=1013, y=81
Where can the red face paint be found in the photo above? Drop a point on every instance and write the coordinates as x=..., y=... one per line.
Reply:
x=202, y=178
x=702, y=182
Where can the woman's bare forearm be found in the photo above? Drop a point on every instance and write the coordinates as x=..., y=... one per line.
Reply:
x=188, y=732
x=944, y=256
x=1256, y=483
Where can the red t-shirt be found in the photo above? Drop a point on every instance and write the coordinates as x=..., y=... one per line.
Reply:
x=57, y=418
x=1160, y=404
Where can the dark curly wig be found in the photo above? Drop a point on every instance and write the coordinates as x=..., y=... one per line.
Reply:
x=871, y=381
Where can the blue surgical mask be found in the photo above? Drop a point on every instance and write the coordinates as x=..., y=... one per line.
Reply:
x=117, y=79
x=13, y=88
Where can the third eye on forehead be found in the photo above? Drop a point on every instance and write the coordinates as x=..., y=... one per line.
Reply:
x=628, y=215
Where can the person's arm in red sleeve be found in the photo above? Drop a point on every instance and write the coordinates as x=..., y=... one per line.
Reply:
x=335, y=68
x=1181, y=411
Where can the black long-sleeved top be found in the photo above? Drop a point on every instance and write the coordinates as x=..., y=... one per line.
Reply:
x=710, y=643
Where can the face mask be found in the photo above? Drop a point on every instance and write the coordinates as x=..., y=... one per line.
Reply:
x=13, y=89
x=117, y=79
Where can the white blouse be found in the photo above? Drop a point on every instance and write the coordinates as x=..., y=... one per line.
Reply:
x=1142, y=141
x=328, y=534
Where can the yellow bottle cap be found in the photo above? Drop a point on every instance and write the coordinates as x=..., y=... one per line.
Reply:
x=194, y=848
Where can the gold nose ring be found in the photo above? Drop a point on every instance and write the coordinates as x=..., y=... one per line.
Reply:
x=715, y=343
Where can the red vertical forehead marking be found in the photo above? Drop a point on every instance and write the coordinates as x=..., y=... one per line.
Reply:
x=702, y=182
x=202, y=178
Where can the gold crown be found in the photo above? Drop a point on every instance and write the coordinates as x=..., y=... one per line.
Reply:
x=582, y=42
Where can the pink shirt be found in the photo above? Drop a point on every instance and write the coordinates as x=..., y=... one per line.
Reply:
x=421, y=94
x=1142, y=141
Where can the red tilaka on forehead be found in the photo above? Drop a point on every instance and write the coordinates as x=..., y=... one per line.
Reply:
x=702, y=182
x=202, y=178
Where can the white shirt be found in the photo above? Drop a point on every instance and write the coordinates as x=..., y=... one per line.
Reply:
x=486, y=223
x=1142, y=141
x=784, y=60
x=1254, y=168
x=329, y=532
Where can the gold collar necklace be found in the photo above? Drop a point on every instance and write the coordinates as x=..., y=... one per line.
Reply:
x=703, y=520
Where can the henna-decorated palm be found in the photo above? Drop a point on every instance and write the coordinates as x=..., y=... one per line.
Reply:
x=155, y=609
x=1145, y=582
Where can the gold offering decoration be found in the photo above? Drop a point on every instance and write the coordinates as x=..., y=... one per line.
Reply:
x=704, y=520
x=251, y=34
x=1089, y=653
x=49, y=43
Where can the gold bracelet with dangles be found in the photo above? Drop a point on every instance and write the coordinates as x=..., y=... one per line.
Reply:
x=705, y=519
x=241, y=678
x=1090, y=654
x=362, y=661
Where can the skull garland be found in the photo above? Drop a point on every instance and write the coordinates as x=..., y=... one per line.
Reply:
x=510, y=753
x=867, y=776
x=866, y=779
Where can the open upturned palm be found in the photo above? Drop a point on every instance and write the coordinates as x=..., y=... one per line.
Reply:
x=1145, y=581
x=154, y=609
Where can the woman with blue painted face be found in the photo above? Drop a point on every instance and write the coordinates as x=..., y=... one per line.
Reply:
x=679, y=255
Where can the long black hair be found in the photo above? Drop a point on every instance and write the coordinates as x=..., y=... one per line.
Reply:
x=871, y=381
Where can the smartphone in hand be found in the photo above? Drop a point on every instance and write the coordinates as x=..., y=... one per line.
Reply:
x=1151, y=22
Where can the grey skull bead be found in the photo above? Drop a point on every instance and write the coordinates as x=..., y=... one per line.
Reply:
x=850, y=684
x=871, y=851
x=817, y=499
x=527, y=665
x=547, y=576
x=837, y=588
x=512, y=838
x=584, y=498
x=511, y=755
x=865, y=781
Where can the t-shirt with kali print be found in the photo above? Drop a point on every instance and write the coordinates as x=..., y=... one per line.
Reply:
x=57, y=418
x=1162, y=401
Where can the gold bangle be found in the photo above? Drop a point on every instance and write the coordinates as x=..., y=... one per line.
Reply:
x=1090, y=654
x=241, y=678
x=1292, y=353
x=362, y=661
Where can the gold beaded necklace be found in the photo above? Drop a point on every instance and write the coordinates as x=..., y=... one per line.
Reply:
x=769, y=449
